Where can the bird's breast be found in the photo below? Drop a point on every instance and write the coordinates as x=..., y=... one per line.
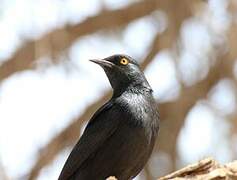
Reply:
x=138, y=108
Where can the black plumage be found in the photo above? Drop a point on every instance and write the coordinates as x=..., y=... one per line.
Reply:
x=120, y=136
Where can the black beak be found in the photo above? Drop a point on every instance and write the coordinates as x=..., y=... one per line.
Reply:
x=102, y=62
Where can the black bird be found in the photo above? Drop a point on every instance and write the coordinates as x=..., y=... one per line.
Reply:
x=120, y=136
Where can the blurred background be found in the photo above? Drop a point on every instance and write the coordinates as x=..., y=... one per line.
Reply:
x=49, y=89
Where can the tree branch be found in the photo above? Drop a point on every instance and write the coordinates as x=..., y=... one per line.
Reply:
x=205, y=169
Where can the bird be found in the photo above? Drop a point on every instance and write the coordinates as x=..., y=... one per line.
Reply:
x=119, y=138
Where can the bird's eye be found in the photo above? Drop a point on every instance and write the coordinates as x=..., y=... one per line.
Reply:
x=124, y=61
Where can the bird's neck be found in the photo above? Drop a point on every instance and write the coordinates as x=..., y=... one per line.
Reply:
x=135, y=87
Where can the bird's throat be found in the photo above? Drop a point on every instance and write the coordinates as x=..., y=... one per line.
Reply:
x=133, y=88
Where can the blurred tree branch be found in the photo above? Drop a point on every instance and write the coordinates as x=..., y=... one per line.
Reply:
x=59, y=40
x=173, y=113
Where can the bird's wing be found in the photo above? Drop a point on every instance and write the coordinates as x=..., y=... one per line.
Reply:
x=101, y=126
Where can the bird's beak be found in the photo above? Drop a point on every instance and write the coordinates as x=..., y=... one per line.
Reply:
x=102, y=62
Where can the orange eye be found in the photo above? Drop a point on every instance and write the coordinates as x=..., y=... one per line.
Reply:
x=124, y=61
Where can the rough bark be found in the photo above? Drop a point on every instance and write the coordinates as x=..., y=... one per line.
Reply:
x=206, y=169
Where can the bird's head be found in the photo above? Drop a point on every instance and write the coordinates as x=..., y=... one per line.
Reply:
x=123, y=72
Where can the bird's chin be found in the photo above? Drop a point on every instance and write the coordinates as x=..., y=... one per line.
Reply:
x=103, y=62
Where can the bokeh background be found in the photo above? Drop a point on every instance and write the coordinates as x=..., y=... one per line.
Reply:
x=49, y=89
